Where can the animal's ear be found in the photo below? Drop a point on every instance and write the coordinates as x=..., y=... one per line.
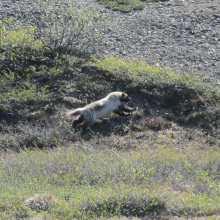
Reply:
x=123, y=95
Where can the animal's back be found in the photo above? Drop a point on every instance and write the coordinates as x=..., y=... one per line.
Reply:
x=103, y=106
x=111, y=103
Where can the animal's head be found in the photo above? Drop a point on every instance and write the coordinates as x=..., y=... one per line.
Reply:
x=124, y=97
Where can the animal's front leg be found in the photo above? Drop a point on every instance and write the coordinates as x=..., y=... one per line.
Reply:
x=127, y=109
x=120, y=113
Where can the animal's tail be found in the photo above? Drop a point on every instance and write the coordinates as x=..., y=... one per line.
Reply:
x=78, y=111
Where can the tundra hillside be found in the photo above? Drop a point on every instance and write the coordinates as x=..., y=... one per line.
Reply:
x=161, y=163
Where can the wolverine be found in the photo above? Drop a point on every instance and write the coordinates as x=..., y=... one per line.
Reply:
x=113, y=102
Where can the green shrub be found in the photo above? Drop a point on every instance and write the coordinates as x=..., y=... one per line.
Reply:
x=123, y=5
x=17, y=36
x=67, y=25
x=19, y=46
x=61, y=27
x=126, y=5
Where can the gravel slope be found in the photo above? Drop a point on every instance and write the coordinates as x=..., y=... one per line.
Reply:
x=181, y=34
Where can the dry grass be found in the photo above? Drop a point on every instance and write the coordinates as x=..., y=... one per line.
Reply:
x=40, y=202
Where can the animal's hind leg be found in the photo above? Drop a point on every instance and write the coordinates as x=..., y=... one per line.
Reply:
x=86, y=124
x=78, y=121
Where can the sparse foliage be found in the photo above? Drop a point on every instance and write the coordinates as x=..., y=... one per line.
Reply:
x=126, y=5
x=19, y=46
x=67, y=25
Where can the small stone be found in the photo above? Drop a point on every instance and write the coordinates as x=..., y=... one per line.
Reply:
x=120, y=38
x=37, y=12
x=7, y=6
x=123, y=52
x=103, y=10
x=10, y=14
x=199, y=67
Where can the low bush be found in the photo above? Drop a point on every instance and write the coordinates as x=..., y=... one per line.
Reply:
x=19, y=46
x=67, y=25
x=39, y=38
x=123, y=5
x=126, y=5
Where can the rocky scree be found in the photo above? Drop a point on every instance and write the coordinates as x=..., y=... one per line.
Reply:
x=183, y=35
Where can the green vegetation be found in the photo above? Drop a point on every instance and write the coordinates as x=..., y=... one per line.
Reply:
x=160, y=163
x=16, y=36
x=69, y=25
x=19, y=47
x=142, y=74
x=86, y=183
x=62, y=28
x=93, y=175
x=126, y=5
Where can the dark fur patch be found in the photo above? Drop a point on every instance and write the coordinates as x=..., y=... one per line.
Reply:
x=99, y=107
x=79, y=120
x=125, y=99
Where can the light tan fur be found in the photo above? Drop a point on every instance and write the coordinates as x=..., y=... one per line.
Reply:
x=111, y=103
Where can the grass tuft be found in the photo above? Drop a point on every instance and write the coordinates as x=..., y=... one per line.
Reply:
x=126, y=5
